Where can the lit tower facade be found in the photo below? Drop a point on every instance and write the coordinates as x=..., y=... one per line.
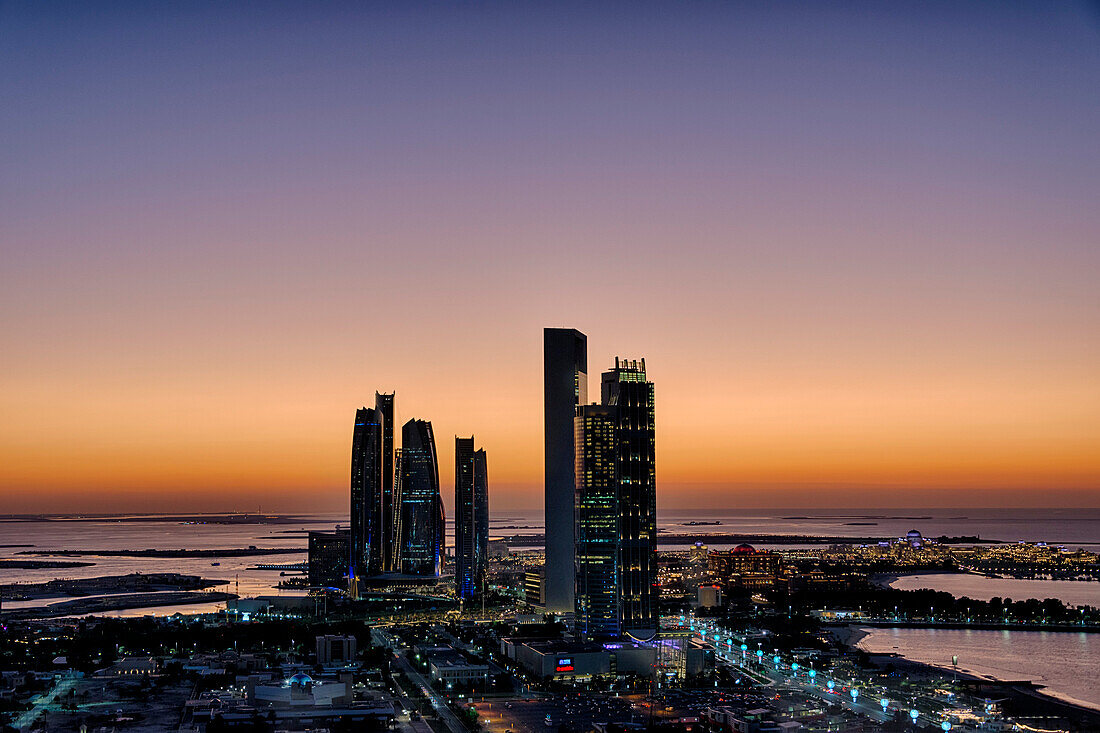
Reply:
x=626, y=389
x=422, y=519
x=365, y=546
x=471, y=519
x=598, y=603
x=383, y=404
x=565, y=386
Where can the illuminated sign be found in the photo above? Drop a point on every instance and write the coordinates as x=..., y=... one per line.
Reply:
x=565, y=664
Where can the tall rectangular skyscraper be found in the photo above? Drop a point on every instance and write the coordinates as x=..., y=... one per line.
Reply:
x=365, y=555
x=565, y=386
x=598, y=602
x=626, y=389
x=471, y=519
x=383, y=404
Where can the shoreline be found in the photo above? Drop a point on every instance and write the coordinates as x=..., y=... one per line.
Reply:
x=106, y=604
x=1023, y=695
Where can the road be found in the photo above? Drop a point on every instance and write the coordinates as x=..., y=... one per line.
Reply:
x=442, y=709
x=782, y=676
x=43, y=702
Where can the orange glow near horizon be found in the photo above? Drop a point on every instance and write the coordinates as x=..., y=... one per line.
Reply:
x=796, y=436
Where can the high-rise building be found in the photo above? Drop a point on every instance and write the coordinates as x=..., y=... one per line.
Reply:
x=395, y=551
x=565, y=386
x=471, y=519
x=422, y=520
x=626, y=388
x=327, y=563
x=598, y=602
x=383, y=404
x=481, y=518
x=366, y=494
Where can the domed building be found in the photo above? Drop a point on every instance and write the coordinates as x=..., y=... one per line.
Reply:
x=744, y=566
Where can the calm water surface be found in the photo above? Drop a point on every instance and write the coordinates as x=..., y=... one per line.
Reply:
x=1066, y=662
x=978, y=587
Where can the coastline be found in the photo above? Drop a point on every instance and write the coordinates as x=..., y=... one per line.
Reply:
x=1024, y=698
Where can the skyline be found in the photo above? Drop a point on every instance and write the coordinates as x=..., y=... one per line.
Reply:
x=857, y=248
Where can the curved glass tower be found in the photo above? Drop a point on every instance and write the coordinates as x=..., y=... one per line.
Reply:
x=365, y=546
x=422, y=519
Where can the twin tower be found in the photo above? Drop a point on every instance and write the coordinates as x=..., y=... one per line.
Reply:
x=601, y=499
x=397, y=517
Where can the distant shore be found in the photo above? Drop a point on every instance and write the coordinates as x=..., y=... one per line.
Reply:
x=104, y=604
x=230, y=552
x=731, y=538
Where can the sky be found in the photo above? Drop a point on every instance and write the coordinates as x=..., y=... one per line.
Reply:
x=858, y=245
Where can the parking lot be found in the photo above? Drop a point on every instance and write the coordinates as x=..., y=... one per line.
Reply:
x=568, y=712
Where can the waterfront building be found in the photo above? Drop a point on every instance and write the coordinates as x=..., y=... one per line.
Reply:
x=383, y=404
x=565, y=387
x=626, y=388
x=366, y=493
x=422, y=519
x=327, y=559
x=598, y=604
x=471, y=519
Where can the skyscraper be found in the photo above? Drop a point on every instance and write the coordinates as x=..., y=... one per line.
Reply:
x=365, y=546
x=471, y=519
x=565, y=386
x=481, y=517
x=422, y=519
x=383, y=403
x=626, y=388
x=598, y=603
x=395, y=551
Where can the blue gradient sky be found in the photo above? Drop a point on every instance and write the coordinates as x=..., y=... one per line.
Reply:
x=857, y=243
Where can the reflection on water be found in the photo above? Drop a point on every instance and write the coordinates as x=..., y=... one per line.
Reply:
x=1066, y=662
x=979, y=587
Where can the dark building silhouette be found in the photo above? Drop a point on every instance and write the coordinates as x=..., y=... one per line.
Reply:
x=366, y=494
x=481, y=517
x=597, y=599
x=626, y=388
x=395, y=551
x=422, y=519
x=565, y=386
x=327, y=564
x=471, y=519
x=383, y=404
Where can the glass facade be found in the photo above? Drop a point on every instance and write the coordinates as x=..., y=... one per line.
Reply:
x=626, y=388
x=383, y=404
x=365, y=550
x=597, y=523
x=422, y=519
x=471, y=519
